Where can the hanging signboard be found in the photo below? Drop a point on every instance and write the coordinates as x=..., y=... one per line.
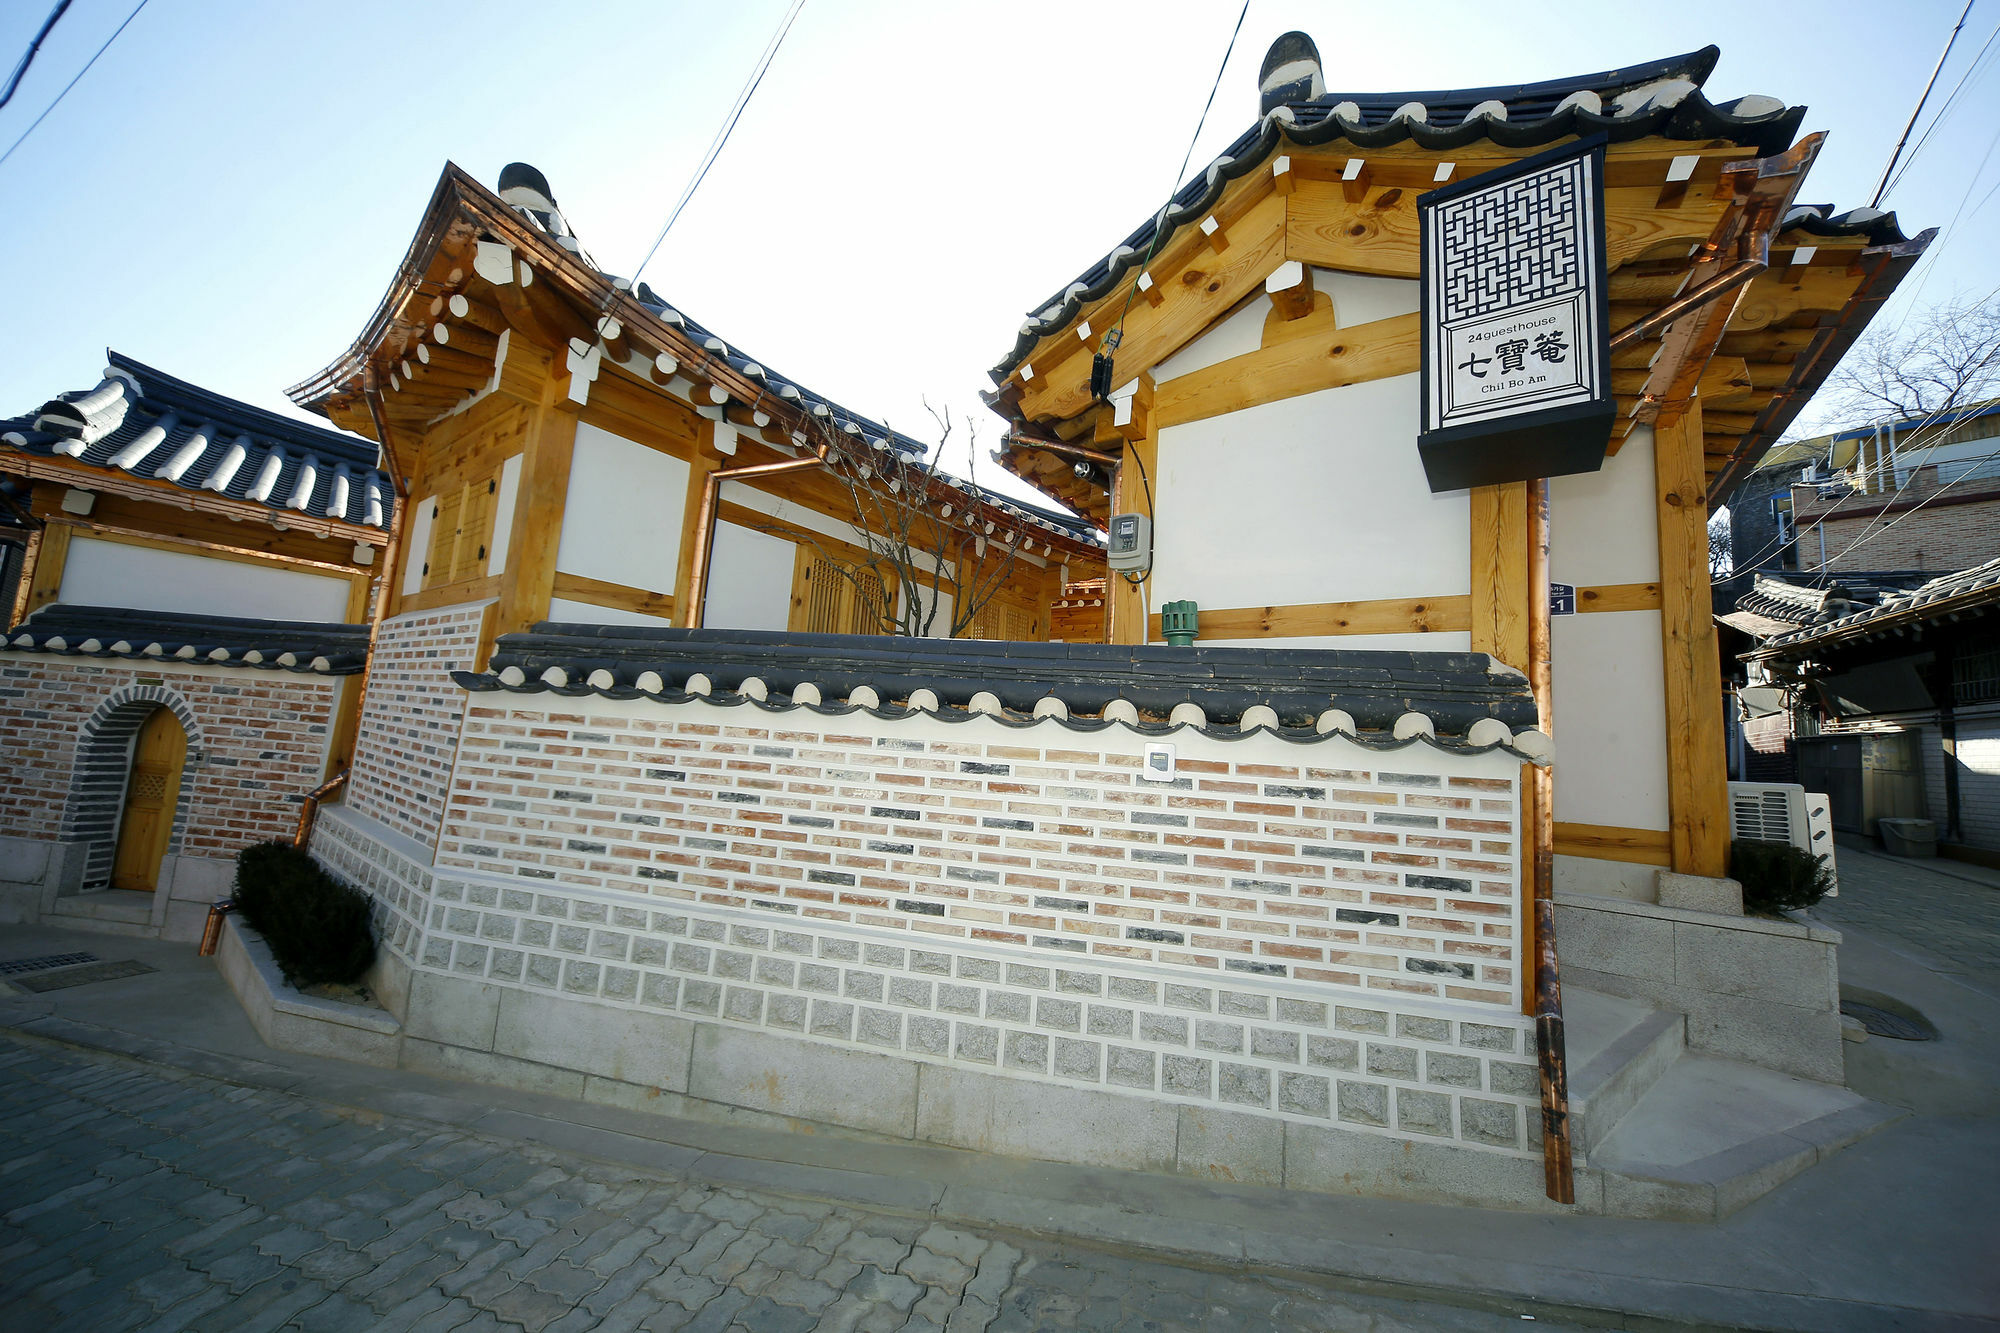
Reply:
x=1516, y=354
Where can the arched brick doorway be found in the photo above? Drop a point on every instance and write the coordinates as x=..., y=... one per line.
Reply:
x=101, y=776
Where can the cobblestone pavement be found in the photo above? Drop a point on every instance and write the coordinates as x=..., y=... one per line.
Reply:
x=1954, y=920
x=145, y=1198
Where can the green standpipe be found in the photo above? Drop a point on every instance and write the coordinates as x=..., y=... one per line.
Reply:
x=1179, y=623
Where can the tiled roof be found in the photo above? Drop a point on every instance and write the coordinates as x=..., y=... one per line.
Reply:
x=1977, y=586
x=1461, y=702
x=1663, y=98
x=527, y=191
x=151, y=425
x=273, y=645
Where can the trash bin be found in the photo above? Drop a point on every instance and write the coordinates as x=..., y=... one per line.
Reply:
x=1908, y=837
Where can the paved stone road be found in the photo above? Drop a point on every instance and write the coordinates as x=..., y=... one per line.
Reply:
x=144, y=1198
x=1956, y=921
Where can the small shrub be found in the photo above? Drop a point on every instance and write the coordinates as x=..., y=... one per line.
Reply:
x=317, y=927
x=1777, y=876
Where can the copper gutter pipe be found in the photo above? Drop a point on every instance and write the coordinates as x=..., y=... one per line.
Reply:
x=1550, y=1047
x=1727, y=281
x=310, y=810
x=704, y=531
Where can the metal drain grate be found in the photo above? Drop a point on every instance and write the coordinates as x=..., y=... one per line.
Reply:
x=15, y=966
x=81, y=975
x=1883, y=1023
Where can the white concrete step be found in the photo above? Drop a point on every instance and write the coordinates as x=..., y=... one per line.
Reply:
x=107, y=911
x=1711, y=1135
x=1618, y=1049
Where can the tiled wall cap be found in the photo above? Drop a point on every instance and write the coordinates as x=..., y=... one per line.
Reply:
x=698, y=684
x=284, y=659
x=555, y=676
x=1536, y=745
x=805, y=693
x=1189, y=715
x=160, y=650
x=601, y=679
x=1336, y=719
x=1122, y=710
x=91, y=646
x=985, y=702
x=124, y=646
x=513, y=675
x=218, y=655
x=186, y=652
x=1489, y=731
x=322, y=664
x=54, y=643
x=753, y=687
x=650, y=682
x=1051, y=707
x=253, y=657
x=1413, y=724
x=864, y=696
x=1258, y=715
x=925, y=701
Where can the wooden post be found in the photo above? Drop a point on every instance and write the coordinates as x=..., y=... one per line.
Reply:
x=1697, y=757
x=1502, y=611
x=528, y=581
x=1133, y=496
x=41, y=577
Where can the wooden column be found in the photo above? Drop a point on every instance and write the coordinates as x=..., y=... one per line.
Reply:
x=1501, y=604
x=41, y=575
x=702, y=461
x=528, y=581
x=1128, y=601
x=1697, y=758
x=1500, y=592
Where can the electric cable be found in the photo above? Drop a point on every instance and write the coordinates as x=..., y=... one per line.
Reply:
x=72, y=83
x=722, y=135
x=28, y=57
x=1973, y=72
x=1882, y=185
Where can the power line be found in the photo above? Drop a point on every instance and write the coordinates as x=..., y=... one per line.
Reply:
x=1972, y=73
x=72, y=83
x=722, y=136
x=1883, y=186
x=28, y=57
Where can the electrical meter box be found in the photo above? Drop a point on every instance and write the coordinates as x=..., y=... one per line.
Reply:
x=1131, y=550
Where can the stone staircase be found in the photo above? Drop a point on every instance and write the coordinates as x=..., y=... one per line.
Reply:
x=1690, y=1137
x=106, y=912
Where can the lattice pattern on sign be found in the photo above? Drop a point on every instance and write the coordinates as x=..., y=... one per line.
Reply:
x=1512, y=245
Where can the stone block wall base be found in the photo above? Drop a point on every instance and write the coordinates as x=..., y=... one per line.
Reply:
x=290, y=1021
x=1700, y=893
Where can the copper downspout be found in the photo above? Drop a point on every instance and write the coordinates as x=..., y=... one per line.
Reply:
x=1550, y=1047
x=704, y=531
x=310, y=810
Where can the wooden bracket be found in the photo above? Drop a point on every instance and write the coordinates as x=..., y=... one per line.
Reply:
x=1150, y=290
x=1679, y=172
x=1211, y=231
x=1291, y=289
x=1801, y=260
x=1282, y=179
x=1354, y=180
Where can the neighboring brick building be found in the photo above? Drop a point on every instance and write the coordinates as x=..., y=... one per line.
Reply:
x=1935, y=520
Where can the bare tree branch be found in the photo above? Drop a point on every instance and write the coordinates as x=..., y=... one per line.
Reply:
x=1944, y=358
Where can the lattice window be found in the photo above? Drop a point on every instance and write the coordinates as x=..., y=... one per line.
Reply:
x=830, y=598
x=1975, y=672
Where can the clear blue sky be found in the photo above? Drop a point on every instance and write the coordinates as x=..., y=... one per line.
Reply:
x=227, y=194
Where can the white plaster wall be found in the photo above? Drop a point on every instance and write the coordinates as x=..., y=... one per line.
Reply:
x=101, y=573
x=1440, y=641
x=1604, y=525
x=415, y=553
x=1319, y=498
x=584, y=613
x=622, y=520
x=750, y=580
x=1232, y=335
x=1610, y=724
x=1360, y=299
x=503, y=515
x=941, y=624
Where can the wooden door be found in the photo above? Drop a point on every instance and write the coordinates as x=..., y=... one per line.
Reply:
x=150, y=796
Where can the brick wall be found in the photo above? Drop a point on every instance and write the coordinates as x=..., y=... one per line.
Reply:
x=262, y=741
x=1955, y=530
x=1326, y=863
x=408, y=737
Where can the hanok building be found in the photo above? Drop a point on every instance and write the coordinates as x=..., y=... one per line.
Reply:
x=187, y=638
x=1257, y=909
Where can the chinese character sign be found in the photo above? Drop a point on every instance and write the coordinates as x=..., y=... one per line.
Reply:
x=1516, y=376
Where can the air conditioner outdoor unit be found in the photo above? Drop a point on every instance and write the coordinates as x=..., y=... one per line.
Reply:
x=1784, y=812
